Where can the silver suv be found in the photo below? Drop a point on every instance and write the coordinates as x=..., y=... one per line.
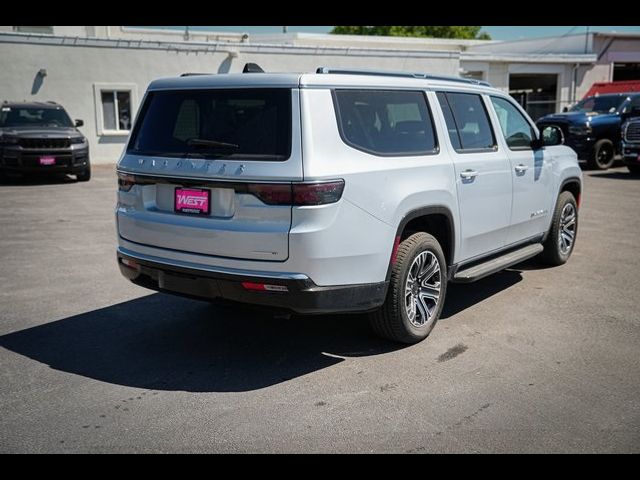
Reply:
x=339, y=191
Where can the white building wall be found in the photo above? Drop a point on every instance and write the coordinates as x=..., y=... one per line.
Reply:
x=590, y=74
x=73, y=71
x=499, y=76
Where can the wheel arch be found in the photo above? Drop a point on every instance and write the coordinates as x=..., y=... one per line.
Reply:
x=437, y=220
x=572, y=185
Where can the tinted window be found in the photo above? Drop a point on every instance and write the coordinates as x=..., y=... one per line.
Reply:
x=600, y=104
x=33, y=116
x=471, y=122
x=516, y=129
x=635, y=102
x=386, y=122
x=253, y=124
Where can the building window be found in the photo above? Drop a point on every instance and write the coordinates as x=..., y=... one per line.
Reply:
x=36, y=29
x=115, y=108
x=535, y=92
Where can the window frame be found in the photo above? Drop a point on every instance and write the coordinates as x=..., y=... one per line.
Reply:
x=115, y=88
x=346, y=141
x=462, y=150
x=519, y=109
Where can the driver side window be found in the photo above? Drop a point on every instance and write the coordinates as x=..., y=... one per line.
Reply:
x=516, y=129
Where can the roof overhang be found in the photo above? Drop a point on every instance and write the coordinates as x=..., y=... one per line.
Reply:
x=528, y=58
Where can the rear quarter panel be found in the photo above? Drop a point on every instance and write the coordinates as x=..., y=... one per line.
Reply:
x=380, y=191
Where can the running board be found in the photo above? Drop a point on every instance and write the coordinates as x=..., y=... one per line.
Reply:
x=496, y=264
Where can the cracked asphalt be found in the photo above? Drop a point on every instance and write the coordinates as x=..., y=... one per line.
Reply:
x=528, y=360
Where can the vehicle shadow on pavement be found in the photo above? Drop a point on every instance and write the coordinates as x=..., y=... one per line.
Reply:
x=32, y=180
x=461, y=296
x=162, y=342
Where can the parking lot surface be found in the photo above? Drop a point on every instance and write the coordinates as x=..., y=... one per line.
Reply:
x=527, y=360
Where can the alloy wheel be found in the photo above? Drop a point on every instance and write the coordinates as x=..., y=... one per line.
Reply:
x=422, y=289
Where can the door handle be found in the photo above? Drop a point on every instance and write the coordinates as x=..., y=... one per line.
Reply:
x=469, y=174
x=521, y=168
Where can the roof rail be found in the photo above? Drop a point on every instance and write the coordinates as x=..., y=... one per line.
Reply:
x=383, y=73
x=194, y=74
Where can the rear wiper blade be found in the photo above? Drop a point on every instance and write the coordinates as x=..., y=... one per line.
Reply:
x=199, y=142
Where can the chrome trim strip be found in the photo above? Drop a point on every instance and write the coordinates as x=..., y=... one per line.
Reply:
x=203, y=268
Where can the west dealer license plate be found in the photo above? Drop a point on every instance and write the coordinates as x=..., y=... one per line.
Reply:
x=192, y=200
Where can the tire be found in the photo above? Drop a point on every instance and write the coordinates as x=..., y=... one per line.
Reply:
x=634, y=169
x=395, y=320
x=556, y=252
x=85, y=176
x=602, y=155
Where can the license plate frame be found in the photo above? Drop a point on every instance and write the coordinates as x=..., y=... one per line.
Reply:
x=192, y=201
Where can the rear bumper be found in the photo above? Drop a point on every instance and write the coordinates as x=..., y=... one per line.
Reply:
x=302, y=295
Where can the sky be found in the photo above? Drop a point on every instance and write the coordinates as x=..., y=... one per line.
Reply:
x=497, y=33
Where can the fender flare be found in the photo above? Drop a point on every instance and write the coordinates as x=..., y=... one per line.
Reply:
x=564, y=182
x=422, y=212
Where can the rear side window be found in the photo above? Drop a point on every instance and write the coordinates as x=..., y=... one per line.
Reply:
x=250, y=124
x=386, y=123
x=467, y=117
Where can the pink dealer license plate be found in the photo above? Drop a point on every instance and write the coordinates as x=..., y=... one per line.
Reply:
x=47, y=160
x=191, y=200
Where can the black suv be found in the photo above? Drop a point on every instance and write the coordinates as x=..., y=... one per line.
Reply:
x=592, y=126
x=40, y=137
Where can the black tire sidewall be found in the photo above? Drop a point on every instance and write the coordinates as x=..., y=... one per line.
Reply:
x=552, y=249
x=85, y=176
x=428, y=243
x=600, y=144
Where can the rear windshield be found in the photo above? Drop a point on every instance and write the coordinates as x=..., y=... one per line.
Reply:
x=251, y=124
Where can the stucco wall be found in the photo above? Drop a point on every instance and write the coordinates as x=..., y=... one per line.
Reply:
x=588, y=75
x=72, y=72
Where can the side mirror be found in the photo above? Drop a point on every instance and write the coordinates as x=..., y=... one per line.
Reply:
x=565, y=109
x=549, y=137
x=79, y=123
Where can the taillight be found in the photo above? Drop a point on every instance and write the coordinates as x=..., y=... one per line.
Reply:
x=125, y=182
x=298, y=194
x=271, y=194
x=317, y=193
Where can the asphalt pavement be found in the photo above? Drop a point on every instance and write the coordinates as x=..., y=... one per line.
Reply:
x=528, y=360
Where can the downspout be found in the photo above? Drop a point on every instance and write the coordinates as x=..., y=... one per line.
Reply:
x=574, y=83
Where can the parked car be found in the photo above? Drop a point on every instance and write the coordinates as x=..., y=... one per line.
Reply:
x=592, y=126
x=39, y=137
x=631, y=145
x=339, y=191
